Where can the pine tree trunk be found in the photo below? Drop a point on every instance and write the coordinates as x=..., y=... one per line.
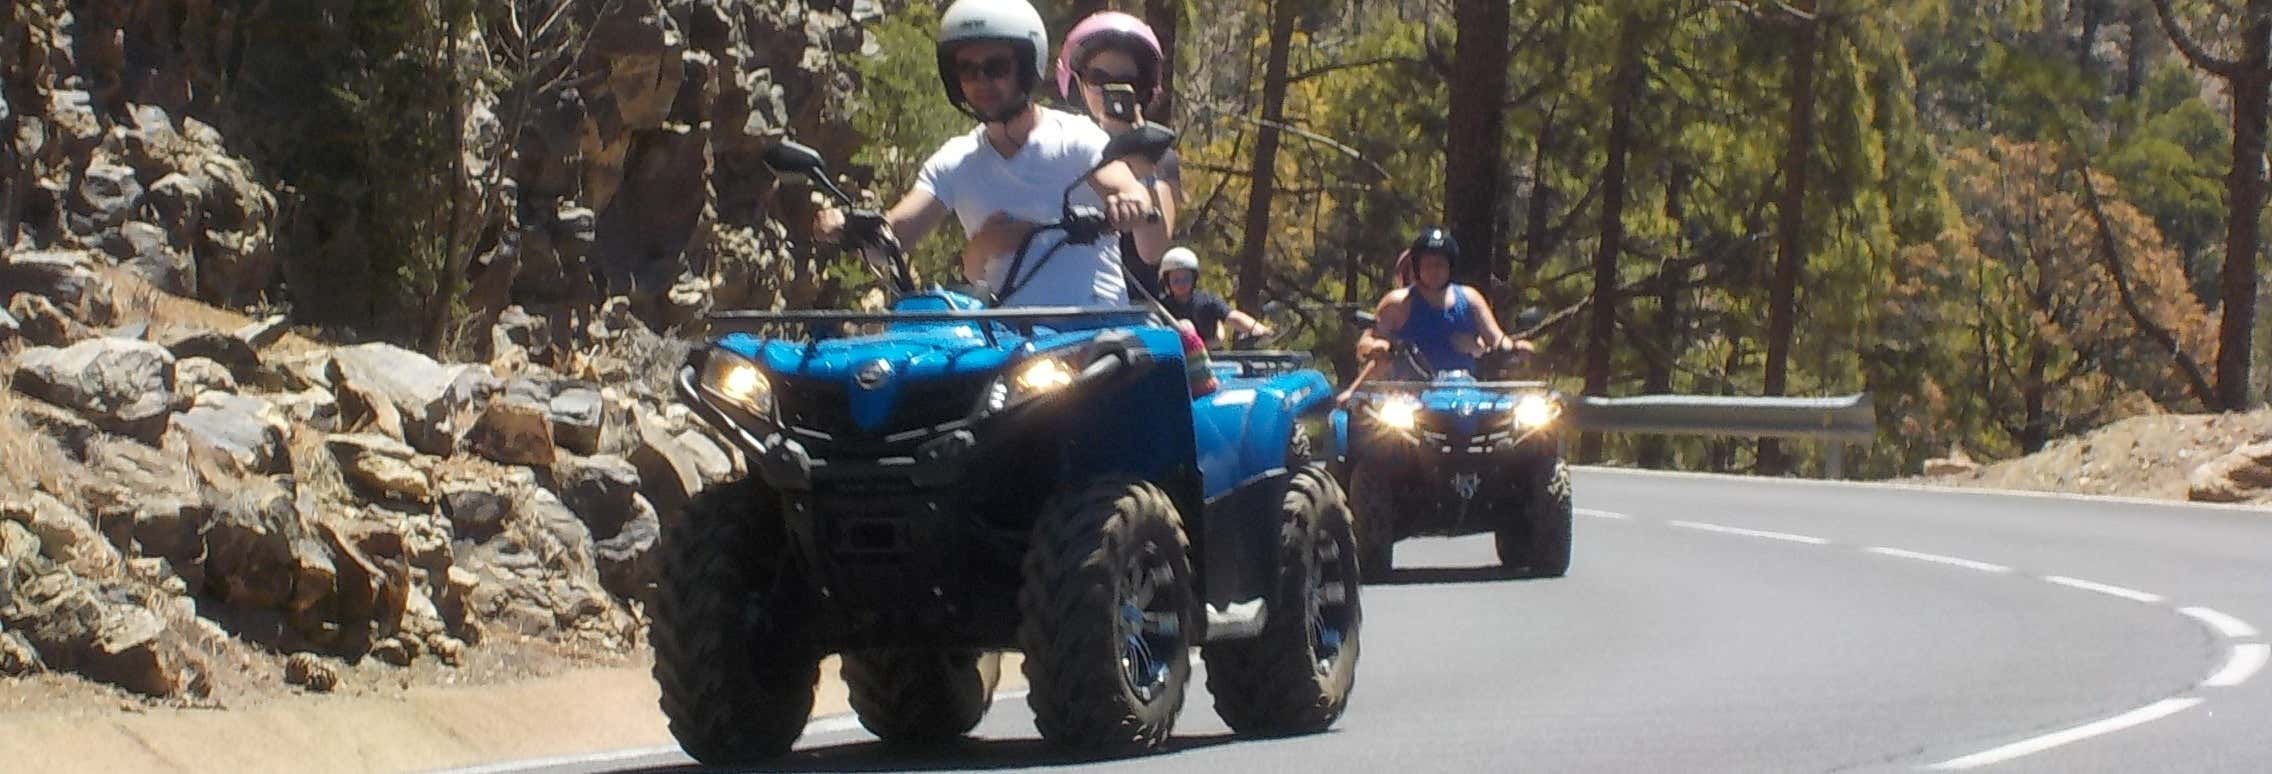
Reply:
x=1602, y=317
x=1165, y=17
x=2244, y=193
x=1472, y=152
x=1256, y=242
x=1782, y=314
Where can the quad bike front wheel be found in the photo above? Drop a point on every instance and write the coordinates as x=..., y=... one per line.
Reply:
x=1108, y=618
x=1296, y=676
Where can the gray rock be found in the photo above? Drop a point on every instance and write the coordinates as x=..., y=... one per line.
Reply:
x=107, y=195
x=315, y=407
x=65, y=537
x=514, y=433
x=17, y=656
x=66, y=277
x=423, y=393
x=250, y=559
x=263, y=332
x=248, y=430
x=45, y=325
x=670, y=473
x=194, y=376
x=600, y=490
x=710, y=459
x=382, y=466
x=76, y=625
x=231, y=352
x=578, y=416
x=125, y=386
x=476, y=509
x=146, y=250
x=627, y=560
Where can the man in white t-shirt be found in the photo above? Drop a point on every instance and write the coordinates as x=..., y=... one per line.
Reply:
x=1009, y=173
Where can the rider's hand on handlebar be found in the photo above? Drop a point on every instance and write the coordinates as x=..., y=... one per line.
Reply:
x=1127, y=211
x=828, y=226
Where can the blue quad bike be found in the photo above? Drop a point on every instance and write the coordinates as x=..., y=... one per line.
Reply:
x=1443, y=453
x=957, y=481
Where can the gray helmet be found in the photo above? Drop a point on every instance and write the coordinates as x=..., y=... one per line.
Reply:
x=1008, y=21
x=1178, y=258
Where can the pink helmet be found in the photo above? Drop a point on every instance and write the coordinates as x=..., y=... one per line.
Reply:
x=1105, y=28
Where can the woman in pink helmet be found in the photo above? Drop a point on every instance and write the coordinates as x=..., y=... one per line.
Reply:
x=1110, y=47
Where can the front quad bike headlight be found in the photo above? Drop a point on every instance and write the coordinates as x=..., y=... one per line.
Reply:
x=1399, y=411
x=1534, y=411
x=1035, y=377
x=737, y=380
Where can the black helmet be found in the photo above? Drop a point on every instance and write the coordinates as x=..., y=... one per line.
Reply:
x=1433, y=239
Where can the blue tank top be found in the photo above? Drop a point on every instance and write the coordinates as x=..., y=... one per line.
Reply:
x=1431, y=329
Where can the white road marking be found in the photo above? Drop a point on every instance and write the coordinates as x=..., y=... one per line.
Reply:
x=2141, y=715
x=1599, y=514
x=2243, y=664
x=1938, y=559
x=1785, y=536
x=2133, y=595
x=610, y=756
x=822, y=726
x=2224, y=624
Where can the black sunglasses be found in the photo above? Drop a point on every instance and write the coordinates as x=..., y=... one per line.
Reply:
x=994, y=67
x=1097, y=77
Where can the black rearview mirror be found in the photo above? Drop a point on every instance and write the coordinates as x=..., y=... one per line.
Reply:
x=791, y=158
x=1362, y=319
x=1530, y=318
x=1150, y=141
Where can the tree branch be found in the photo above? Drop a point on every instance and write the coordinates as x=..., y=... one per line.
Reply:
x=1339, y=66
x=2193, y=51
x=2110, y=254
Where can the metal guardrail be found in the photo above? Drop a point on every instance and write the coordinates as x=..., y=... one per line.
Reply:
x=1835, y=421
x=1842, y=418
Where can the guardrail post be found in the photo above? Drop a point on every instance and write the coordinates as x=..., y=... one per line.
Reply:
x=1834, y=460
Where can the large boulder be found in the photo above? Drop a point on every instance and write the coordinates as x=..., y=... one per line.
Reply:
x=126, y=386
x=260, y=552
x=106, y=198
x=2243, y=475
x=600, y=490
x=539, y=577
x=513, y=432
x=65, y=277
x=147, y=251
x=79, y=625
x=670, y=471
x=43, y=324
x=229, y=350
x=382, y=467
x=194, y=376
x=246, y=429
x=65, y=537
x=424, y=394
x=627, y=559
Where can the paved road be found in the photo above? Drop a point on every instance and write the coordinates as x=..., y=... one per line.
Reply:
x=1722, y=624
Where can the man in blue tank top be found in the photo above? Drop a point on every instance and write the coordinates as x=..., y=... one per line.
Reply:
x=1450, y=324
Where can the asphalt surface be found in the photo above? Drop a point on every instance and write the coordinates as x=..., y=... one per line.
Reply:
x=1724, y=624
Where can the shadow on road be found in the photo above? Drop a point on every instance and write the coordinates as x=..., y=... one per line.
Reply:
x=970, y=755
x=1431, y=576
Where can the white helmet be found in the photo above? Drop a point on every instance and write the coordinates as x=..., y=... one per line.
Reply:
x=1008, y=21
x=1178, y=258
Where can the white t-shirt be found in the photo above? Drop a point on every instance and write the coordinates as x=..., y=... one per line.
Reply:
x=975, y=181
